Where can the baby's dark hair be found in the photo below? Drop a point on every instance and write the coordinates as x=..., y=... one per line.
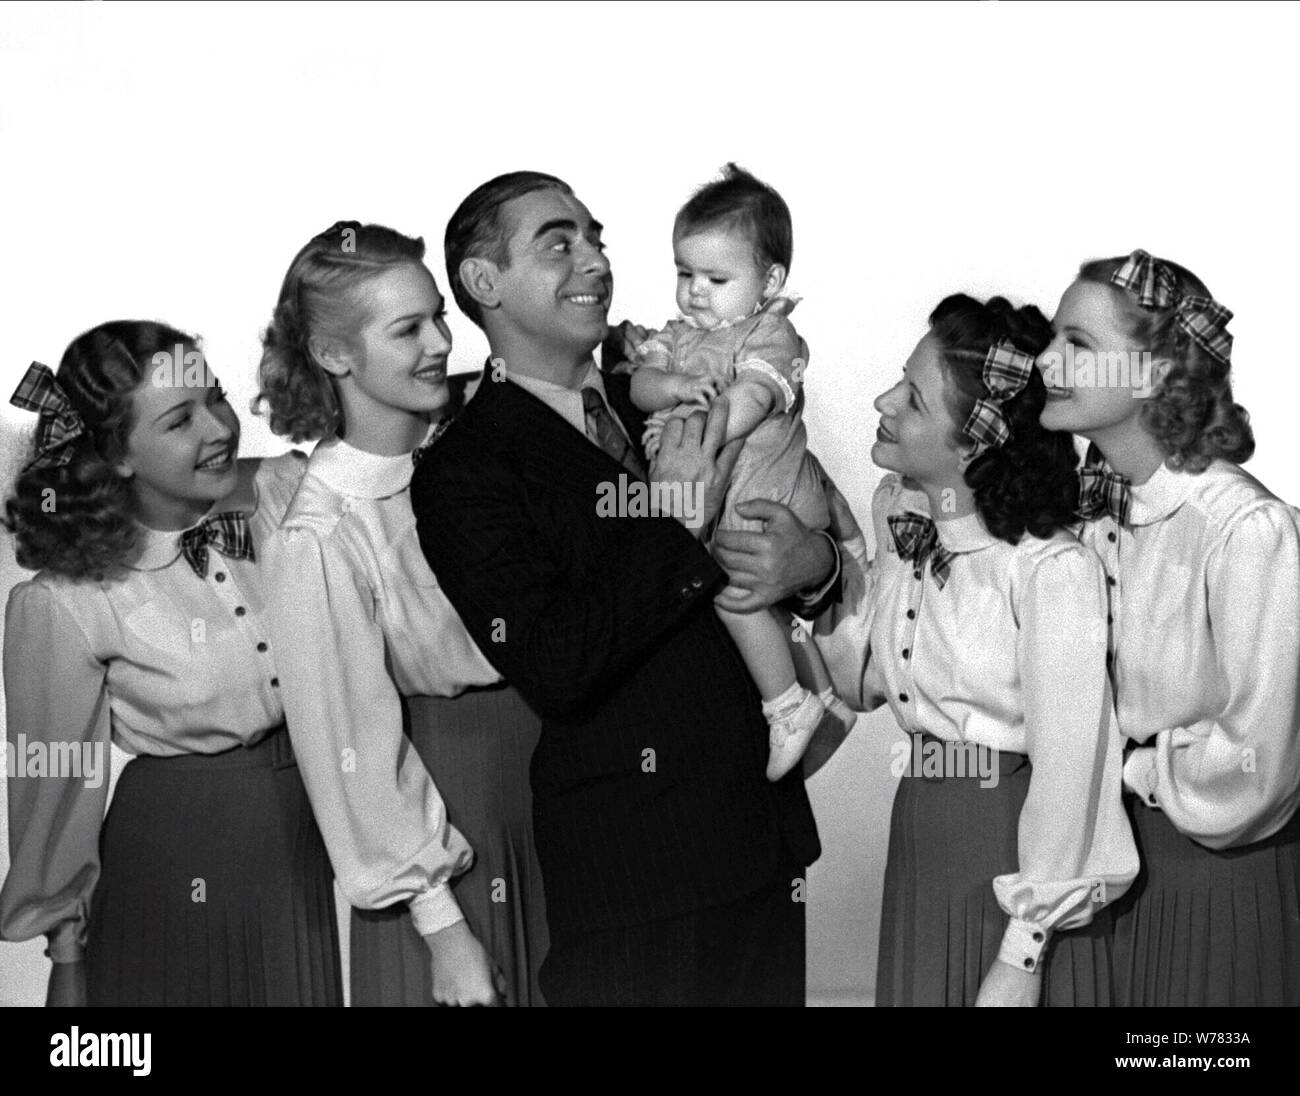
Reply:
x=740, y=201
x=78, y=519
x=1029, y=484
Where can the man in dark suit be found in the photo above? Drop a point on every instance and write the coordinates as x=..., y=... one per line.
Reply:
x=673, y=869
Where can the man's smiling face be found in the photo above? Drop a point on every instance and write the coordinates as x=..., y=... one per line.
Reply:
x=556, y=289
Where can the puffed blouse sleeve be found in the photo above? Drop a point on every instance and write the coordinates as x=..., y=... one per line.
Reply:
x=1234, y=777
x=57, y=702
x=384, y=822
x=1076, y=850
x=843, y=631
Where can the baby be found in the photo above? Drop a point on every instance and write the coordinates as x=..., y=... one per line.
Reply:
x=732, y=244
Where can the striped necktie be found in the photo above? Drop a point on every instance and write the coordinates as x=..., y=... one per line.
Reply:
x=604, y=431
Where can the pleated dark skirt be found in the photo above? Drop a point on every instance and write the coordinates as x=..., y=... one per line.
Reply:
x=1201, y=927
x=477, y=747
x=941, y=926
x=216, y=888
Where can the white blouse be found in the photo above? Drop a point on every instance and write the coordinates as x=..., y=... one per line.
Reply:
x=359, y=621
x=151, y=656
x=1010, y=654
x=1205, y=594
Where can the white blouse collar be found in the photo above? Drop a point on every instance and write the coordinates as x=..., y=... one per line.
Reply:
x=964, y=534
x=159, y=548
x=352, y=471
x=1160, y=496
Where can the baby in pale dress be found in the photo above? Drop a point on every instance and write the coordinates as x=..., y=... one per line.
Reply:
x=732, y=244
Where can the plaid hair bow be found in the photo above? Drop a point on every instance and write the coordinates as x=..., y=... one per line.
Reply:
x=917, y=538
x=1006, y=372
x=1102, y=491
x=1156, y=286
x=59, y=422
x=228, y=533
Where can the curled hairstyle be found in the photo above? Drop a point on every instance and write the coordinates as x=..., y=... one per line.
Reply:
x=477, y=230
x=1030, y=484
x=78, y=519
x=320, y=298
x=1190, y=412
x=739, y=201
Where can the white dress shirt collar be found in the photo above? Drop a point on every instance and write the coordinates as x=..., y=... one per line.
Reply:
x=567, y=402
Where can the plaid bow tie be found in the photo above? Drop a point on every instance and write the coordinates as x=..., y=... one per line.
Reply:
x=1156, y=287
x=1102, y=491
x=916, y=538
x=59, y=422
x=228, y=533
x=1006, y=372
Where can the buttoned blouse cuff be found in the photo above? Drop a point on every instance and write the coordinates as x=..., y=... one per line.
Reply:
x=1140, y=776
x=435, y=909
x=66, y=943
x=1023, y=944
x=809, y=603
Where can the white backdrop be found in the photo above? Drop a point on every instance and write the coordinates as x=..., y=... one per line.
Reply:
x=166, y=162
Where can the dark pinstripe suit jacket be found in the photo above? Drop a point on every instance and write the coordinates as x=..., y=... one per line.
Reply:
x=649, y=794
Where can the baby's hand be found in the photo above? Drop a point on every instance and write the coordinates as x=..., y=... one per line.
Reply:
x=622, y=343
x=699, y=390
x=650, y=440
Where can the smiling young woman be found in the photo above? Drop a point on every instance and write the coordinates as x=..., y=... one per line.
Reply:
x=982, y=623
x=207, y=883
x=371, y=650
x=1203, y=575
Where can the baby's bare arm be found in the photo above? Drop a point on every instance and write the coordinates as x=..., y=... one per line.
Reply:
x=752, y=399
x=654, y=388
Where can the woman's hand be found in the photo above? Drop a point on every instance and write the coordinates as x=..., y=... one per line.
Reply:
x=463, y=973
x=67, y=987
x=1006, y=986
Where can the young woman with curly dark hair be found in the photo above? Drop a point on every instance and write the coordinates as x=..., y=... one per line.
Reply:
x=1203, y=566
x=982, y=623
x=207, y=883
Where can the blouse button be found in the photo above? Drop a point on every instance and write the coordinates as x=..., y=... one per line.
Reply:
x=1029, y=964
x=902, y=697
x=240, y=610
x=275, y=683
x=220, y=576
x=916, y=574
x=261, y=647
x=911, y=614
x=1038, y=938
x=1110, y=581
x=907, y=651
x=1110, y=537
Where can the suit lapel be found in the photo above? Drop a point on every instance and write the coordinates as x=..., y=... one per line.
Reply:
x=545, y=440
